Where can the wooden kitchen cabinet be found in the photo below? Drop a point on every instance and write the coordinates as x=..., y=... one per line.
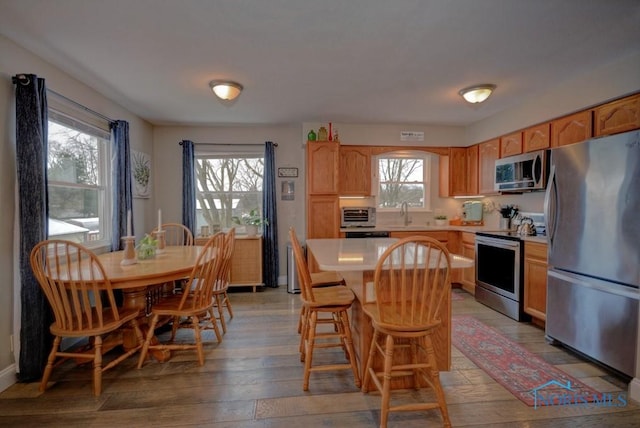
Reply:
x=323, y=161
x=617, y=116
x=323, y=216
x=246, y=262
x=535, y=281
x=571, y=129
x=472, y=170
x=537, y=137
x=511, y=144
x=488, y=153
x=459, y=172
x=355, y=171
x=468, y=278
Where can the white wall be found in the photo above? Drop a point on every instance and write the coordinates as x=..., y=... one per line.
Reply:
x=15, y=60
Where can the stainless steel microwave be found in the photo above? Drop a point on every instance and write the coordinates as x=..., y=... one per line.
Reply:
x=358, y=217
x=526, y=172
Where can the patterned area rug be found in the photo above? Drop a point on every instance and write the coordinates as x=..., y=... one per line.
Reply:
x=531, y=379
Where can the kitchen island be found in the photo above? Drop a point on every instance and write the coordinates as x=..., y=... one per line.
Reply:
x=355, y=260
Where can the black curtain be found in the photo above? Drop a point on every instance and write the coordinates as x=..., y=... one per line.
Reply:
x=188, y=186
x=122, y=183
x=31, y=161
x=270, y=265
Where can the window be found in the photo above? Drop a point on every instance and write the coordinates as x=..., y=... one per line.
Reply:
x=228, y=187
x=78, y=175
x=403, y=176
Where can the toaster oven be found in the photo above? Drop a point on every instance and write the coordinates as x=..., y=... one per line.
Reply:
x=358, y=217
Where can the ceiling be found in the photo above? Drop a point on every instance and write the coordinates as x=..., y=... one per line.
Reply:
x=354, y=61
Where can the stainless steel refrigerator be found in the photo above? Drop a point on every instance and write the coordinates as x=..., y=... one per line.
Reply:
x=592, y=208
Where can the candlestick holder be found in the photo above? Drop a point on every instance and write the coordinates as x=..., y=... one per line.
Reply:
x=160, y=237
x=129, y=251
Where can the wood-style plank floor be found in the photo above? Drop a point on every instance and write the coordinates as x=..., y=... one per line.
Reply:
x=254, y=379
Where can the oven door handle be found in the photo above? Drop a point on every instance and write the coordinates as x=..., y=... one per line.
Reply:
x=500, y=243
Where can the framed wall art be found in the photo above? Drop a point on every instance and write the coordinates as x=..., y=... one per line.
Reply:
x=141, y=174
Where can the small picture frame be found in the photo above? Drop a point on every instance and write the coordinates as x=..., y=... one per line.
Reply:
x=287, y=172
x=288, y=191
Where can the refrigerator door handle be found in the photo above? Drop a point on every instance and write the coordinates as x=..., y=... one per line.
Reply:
x=550, y=205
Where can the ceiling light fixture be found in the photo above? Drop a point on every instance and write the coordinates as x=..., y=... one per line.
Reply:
x=478, y=93
x=225, y=90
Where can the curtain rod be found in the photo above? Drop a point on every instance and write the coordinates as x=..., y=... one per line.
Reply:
x=24, y=80
x=230, y=145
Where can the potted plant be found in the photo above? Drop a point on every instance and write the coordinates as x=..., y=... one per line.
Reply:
x=441, y=219
x=250, y=221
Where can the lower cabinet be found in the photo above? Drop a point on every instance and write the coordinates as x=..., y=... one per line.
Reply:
x=468, y=279
x=323, y=216
x=535, y=280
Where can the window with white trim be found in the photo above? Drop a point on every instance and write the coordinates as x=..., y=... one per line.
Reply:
x=78, y=176
x=403, y=176
x=228, y=188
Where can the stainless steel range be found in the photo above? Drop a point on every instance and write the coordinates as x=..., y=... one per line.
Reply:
x=499, y=268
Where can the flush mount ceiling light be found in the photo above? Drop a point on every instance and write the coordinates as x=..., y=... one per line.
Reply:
x=478, y=93
x=225, y=90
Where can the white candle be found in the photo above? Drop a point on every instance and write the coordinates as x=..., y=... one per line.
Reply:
x=129, y=223
x=159, y=220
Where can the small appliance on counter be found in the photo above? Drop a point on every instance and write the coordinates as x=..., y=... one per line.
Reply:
x=358, y=217
x=472, y=213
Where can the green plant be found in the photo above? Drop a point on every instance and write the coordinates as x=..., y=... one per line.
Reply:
x=440, y=217
x=147, y=247
x=252, y=219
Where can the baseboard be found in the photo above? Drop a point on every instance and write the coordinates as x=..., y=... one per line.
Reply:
x=8, y=377
x=634, y=389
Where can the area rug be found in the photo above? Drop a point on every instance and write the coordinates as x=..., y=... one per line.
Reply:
x=528, y=377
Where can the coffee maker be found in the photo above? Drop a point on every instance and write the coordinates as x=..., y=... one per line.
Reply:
x=472, y=212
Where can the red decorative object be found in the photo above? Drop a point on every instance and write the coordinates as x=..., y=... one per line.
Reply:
x=330, y=133
x=518, y=370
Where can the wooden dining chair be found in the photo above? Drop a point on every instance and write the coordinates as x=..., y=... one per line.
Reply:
x=176, y=234
x=411, y=281
x=81, y=298
x=193, y=305
x=221, y=285
x=332, y=301
x=221, y=288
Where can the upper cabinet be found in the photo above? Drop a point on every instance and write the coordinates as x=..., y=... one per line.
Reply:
x=355, y=171
x=571, y=129
x=511, y=144
x=537, y=137
x=488, y=152
x=459, y=172
x=617, y=116
x=322, y=167
x=472, y=170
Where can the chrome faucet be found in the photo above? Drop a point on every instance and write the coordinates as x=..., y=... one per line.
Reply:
x=404, y=213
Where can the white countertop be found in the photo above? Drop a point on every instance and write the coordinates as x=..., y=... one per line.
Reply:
x=360, y=254
x=430, y=228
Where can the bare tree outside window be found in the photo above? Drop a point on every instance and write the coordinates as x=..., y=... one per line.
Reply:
x=401, y=179
x=74, y=178
x=227, y=186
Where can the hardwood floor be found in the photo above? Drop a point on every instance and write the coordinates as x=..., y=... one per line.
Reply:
x=254, y=379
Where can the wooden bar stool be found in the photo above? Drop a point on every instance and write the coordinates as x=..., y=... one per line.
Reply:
x=411, y=280
x=334, y=301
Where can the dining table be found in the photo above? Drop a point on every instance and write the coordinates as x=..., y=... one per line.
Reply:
x=355, y=260
x=138, y=280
